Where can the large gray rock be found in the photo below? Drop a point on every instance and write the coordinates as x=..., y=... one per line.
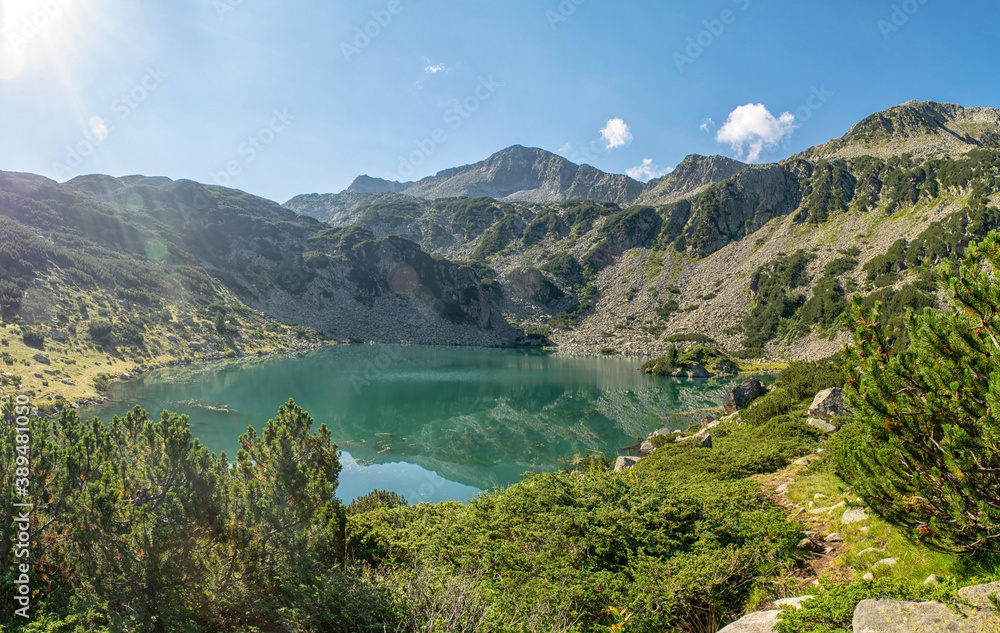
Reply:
x=979, y=595
x=854, y=515
x=742, y=395
x=691, y=371
x=701, y=440
x=763, y=621
x=821, y=424
x=41, y=358
x=828, y=403
x=893, y=616
x=625, y=462
x=756, y=622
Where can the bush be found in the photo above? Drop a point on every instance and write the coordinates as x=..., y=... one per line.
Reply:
x=941, y=388
x=376, y=499
x=538, y=331
x=832, y=608
x=100, y=330
x=775, y=403
x=32, y=338
x=804, y=379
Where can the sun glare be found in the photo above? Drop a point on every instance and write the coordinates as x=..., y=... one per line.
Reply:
x=33, y=32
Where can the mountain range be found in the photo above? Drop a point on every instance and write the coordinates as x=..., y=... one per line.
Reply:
x=524, y=247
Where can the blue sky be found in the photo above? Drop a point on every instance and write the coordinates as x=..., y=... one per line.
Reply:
x=302, y=96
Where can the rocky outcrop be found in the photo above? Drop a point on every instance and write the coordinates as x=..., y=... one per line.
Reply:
x=694, y=174
x=828, y=404
x=742, y=395
x=637, y=227
x=624, y=462
x=530, y=283
x=732, y=209
x=917, y=127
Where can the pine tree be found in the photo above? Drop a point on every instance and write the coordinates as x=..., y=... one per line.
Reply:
x=928, y=456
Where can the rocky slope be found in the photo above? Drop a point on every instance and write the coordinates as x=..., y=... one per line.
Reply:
x=918, y=127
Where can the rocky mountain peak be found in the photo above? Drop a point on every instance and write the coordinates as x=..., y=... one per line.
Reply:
x=368, y=184
x=917, y=127
x=692, y=175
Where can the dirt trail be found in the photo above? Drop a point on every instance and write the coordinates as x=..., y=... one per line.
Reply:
x=825, y=545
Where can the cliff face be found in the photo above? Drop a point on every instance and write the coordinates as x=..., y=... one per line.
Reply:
x=732, y=209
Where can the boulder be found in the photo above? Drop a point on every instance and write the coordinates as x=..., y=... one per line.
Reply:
x=691, y=371
x=701, y=440
x=41, y=358
x=625, y=462
x=979, y=595
x=646, y=448
x=756, y=622
x=828, y=403
x=763, y=621
x=893, y=616
x=821, y=424
x=854, y=515
x=742, y=395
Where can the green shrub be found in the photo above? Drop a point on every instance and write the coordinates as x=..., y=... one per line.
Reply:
x=32, y=337
x=376, y=499
x=538, y=331
x=775, y=403
x=804, y=379
x=694, y=337
x=832, y=608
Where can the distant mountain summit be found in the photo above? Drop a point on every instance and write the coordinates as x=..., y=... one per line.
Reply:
x=921, y=128
x=516, y=173
x=526, y=174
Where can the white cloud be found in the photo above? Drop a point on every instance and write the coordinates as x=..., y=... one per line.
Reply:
x=434, y=69
x=707, y=125
x=616, y=134
x=751, y=125
x=647, y=171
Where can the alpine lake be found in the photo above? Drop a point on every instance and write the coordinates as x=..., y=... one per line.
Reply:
x=431, y=423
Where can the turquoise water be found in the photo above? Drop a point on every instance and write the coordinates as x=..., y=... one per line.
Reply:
x=431, y=423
